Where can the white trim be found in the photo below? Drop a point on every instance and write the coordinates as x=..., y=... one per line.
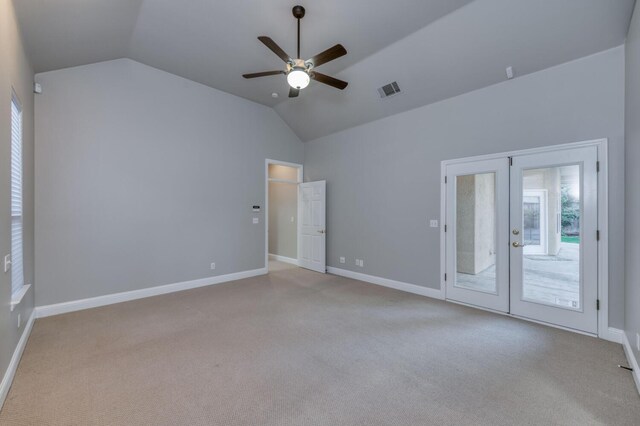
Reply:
x=19, y=295
x=385, y=282
x=7, y=380
x=633, y=362
x=110, y=299
x=529, y=151
x=283, y=259
x=268, y=161
x=614, y=335
x=603, y=216
x=443, y=235
x=603, y=244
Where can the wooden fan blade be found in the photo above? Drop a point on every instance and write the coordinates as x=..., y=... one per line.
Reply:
x=262, y=74
x=275, y=48
x=334, y=82
x=293, y=93
x=328, y=55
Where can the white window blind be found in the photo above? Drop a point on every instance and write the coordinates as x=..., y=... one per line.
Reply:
x=17, y=269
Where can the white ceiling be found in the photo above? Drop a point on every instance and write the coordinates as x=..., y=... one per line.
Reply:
x=435, y=49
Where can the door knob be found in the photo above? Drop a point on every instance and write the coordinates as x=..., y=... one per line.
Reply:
x=321, y=231
x=518, y=245
x=515, y=231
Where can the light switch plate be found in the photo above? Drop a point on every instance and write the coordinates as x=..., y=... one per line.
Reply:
x=256, y=220
x=433, y=223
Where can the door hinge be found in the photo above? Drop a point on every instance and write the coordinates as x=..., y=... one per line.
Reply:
x=598, y=305
x=445, y=179
x=598, y=235
x=511, y=161
x=445, y=277
x=597, y=166
x=445, y=228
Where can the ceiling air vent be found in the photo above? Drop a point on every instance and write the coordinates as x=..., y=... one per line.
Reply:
x=389, y=90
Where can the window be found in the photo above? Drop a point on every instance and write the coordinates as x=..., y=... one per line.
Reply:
x=17, y=270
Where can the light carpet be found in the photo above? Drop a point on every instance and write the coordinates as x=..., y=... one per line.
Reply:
x=299, y=348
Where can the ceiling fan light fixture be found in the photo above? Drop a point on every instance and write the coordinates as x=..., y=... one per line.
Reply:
x=298, y=71
x=298, y=78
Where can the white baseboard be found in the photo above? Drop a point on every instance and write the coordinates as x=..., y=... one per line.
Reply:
x=633, y=362
x=283, y=259
x=613, y=335
x=5, y=385
x=109, y=299
x=385, y=282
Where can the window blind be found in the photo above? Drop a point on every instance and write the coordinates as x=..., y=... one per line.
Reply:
x=17, y=269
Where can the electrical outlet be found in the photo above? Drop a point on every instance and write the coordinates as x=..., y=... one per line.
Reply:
x=357, y=262
x=433, y=223
x=19, y=321
x=213, y=266
x=342, y=260
x=361, y=263
x=256, y=220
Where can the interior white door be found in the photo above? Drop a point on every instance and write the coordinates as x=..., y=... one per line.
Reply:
x=557, y=282
x=312, y=225
x=477, y=253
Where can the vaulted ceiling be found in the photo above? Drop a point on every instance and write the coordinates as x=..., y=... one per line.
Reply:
x=434, y=49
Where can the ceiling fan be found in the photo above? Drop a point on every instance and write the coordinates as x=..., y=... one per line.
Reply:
x=298, y=71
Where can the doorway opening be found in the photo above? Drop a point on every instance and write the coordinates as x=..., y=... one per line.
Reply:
x=281, y=214
x=523, y=232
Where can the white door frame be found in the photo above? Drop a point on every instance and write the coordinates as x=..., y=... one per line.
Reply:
x=300, y=178
x=604, y=332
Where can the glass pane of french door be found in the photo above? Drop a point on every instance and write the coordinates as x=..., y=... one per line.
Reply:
x=476, y=232
x=551, y=233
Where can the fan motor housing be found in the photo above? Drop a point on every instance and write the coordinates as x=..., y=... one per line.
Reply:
x=298, y=64
x=298, y=12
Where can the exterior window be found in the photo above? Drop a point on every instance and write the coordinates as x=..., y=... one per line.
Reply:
x=17, y=268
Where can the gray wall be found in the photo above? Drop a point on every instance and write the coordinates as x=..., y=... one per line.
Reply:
x=283, y=233
x=632, y=199
x=144, y=178
x=16, y=73
x=383, y=178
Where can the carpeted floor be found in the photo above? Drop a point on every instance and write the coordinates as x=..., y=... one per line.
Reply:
x=300, y=348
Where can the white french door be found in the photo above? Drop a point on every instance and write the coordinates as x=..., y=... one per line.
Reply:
x=558, y=285
x=312, y=225
x=521, y=235
x=477, y=262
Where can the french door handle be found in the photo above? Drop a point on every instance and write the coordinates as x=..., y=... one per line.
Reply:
x=518, y=245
